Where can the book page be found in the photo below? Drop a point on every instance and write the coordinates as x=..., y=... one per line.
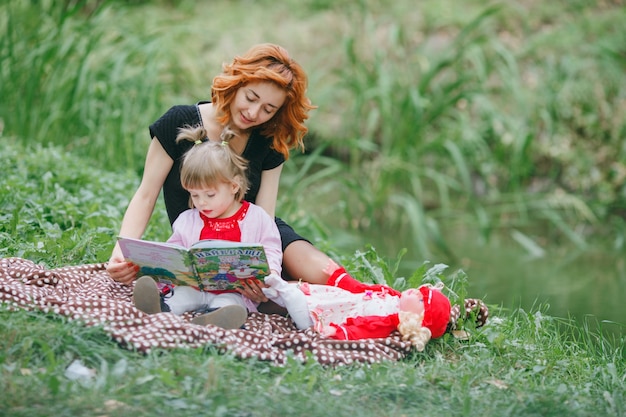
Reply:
x=165, y=262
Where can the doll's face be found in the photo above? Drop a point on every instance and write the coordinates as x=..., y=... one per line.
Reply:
x=412, y=301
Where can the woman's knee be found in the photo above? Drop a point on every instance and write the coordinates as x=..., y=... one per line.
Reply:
x=303, y=261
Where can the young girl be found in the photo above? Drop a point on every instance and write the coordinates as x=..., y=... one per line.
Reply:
x=215, y=178
x=347, y=309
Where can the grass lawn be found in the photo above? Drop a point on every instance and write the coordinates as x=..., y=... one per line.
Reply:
x=523, y=363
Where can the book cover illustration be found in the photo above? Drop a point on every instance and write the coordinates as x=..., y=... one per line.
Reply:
x=225, y=268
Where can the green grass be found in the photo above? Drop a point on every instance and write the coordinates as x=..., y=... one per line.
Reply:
x=57, y=209
x=522, y=363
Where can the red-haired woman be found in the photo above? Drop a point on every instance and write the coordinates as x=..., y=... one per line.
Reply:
x=261, y=97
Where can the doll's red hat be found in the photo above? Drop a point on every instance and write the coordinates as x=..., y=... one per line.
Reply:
x=436, y=310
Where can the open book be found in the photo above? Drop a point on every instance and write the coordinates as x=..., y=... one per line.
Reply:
x=209, y=264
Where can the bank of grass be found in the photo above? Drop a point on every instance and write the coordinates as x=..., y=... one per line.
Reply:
x=520, y=365
x=523, y=363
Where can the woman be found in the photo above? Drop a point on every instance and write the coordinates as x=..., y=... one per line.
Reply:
x=261, y=96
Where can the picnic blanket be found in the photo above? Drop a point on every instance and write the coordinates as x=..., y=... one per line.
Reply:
x=87, y=294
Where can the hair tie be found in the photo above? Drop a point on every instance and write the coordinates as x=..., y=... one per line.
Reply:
x=224, y=143
x=199, y=141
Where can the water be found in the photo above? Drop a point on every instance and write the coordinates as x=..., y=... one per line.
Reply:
x=585, y=285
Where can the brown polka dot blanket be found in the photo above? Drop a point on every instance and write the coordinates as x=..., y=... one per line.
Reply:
x=87, y=294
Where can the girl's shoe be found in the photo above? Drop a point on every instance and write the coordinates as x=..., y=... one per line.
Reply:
x=146, y=295
x=227, y=317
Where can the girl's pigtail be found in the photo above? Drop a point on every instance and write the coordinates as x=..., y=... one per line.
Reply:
x=195, y=134
x=226, y=135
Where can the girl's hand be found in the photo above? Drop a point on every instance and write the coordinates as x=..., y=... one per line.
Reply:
x=121, y=270
x=252, y=290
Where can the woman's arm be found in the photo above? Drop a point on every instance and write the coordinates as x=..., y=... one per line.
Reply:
x=268, y=192
x=158, y=164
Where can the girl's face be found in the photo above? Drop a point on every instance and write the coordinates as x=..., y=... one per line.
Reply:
x=412, y=301
x=255, y=104
x=216, y=202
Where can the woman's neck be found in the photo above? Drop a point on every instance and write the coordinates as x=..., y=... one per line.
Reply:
x=214, y=129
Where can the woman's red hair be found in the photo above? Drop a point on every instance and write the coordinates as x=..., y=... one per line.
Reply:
x=268, y=63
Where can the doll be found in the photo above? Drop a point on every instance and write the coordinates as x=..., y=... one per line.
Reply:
x=347, y=309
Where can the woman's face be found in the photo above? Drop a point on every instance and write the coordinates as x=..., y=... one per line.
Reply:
x=255, y=104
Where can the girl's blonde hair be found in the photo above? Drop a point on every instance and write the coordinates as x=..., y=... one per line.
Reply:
x=208, y=163
x=268, y=63
x=411, y=329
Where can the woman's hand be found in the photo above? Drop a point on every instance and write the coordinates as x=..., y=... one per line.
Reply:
x=251, y=289
x=121, y=270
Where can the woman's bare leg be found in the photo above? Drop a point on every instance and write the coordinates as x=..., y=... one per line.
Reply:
x=303, y=261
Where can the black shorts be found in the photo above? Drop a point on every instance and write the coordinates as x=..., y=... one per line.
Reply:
x=287, y=234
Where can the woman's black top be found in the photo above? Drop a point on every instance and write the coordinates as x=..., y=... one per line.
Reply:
x=258, y=152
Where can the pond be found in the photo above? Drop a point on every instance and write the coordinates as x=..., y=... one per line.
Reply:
x=563, y=281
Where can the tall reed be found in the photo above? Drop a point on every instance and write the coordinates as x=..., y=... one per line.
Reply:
x=403, y=104
x=71, y=78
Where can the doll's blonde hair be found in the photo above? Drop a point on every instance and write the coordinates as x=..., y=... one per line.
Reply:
x=411, y=329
